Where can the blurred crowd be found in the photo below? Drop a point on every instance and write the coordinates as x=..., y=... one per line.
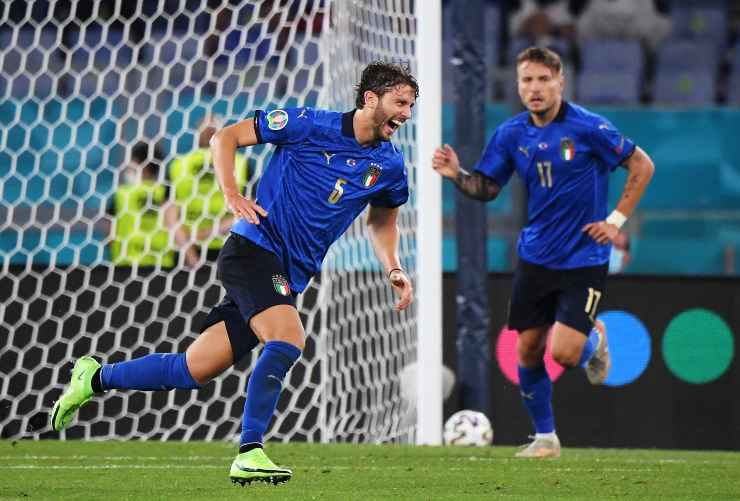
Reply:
x=621, y=52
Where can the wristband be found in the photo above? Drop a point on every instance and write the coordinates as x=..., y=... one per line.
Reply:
x=394, y=269
x=616, y=218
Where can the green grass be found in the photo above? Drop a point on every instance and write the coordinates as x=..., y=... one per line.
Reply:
x=155, y=470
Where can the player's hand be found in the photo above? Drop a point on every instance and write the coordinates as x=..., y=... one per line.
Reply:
x=192, y=258
x=445, y=161
x=601, y=231
x=245, y=208
x=402, y=285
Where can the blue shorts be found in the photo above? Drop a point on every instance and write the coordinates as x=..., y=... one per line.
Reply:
x=541, y=296
x=254, y=280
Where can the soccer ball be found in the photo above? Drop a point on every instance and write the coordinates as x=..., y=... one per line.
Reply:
x=468, y=428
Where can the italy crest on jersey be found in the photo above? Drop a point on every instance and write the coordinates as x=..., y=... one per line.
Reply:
x=567, y=149
x=372, y=175
x=277, y=119
x=281, y=285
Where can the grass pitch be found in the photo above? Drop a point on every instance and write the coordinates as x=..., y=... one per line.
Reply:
x=156, y=470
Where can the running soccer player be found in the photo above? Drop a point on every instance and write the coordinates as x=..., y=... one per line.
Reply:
x=327, y=167
x=564, y=154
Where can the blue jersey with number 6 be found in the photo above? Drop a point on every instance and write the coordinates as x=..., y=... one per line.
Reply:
x=317, y=182
x=565, y=167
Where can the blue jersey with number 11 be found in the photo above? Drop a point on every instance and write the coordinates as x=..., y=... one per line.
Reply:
x=318, y=181
x=565, y=167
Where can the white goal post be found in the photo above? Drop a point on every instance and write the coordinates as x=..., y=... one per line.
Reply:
x=79, y=90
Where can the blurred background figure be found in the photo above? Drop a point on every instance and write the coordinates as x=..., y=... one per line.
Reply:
x=139, y=236
x=624, y=19
x=541, y=21
x=198, y=216
x=620, y=256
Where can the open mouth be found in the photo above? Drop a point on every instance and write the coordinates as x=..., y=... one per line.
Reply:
x=393, y=125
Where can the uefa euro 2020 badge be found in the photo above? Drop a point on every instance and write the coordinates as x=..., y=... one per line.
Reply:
x=277, y=119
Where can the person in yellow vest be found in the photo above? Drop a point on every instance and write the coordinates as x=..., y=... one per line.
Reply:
x=139, y=235
x=199, y=218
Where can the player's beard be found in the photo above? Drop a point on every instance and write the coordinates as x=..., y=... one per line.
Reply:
x=381, y=118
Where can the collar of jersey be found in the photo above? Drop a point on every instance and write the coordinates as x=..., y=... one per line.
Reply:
x=558, y=118
x=348, y=129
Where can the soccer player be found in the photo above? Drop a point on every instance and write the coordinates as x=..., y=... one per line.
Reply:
x=564, y=154
x=327, y=167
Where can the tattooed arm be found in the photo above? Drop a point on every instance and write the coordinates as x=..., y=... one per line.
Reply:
x=641, y=169
x=475, y=185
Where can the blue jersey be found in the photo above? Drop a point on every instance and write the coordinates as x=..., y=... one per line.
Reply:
x=565, y=167
x=317, y=182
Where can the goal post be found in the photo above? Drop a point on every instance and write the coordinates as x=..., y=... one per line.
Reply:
x=429, y=228
x=78, y=91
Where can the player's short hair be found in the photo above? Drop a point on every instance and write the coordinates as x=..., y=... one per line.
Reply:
x=380, y=77
x=541, y=55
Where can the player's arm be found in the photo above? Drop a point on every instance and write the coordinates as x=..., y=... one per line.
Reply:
x=383, y=228
x=224, y=144
x=475, y=185
x=641, y=169
x=182, y=235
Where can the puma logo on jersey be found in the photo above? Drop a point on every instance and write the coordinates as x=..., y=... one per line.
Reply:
x=524, y=150
x=328, y=156
x=302, y=114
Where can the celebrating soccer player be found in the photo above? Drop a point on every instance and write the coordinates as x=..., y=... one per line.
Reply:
x=564, y=154
x=326, y=168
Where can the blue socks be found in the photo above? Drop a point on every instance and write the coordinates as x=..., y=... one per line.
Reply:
x=158, y=371
x=263, y=390
x=589, y=347
x=536, y=390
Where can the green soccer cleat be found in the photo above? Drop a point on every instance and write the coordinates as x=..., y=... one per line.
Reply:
x=255, y=465
x=78, y=393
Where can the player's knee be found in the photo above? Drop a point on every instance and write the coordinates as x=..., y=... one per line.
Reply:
x=530, y=353
x=200, y=376
x=203, y=370
x=565, y=356
x=296, y=337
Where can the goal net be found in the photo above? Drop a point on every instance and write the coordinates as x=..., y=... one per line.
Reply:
x=90, y=264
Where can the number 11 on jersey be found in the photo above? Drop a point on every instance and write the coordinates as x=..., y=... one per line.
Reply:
x=544, y=169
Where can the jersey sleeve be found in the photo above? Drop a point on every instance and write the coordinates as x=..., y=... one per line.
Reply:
x=396, y=194
x=610, y=145
x=283, y=126
x=495, y=162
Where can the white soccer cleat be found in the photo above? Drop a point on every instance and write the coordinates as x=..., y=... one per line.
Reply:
x=540, y=448
x=597, y=369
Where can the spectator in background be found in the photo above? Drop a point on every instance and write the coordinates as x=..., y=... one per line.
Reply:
x=624, y=19
x=139, y=236
x=620, y=255
x=542, y=20
x=198, y=217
